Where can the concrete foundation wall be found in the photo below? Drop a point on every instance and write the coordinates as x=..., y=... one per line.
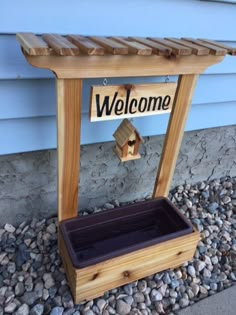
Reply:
x=28, y=181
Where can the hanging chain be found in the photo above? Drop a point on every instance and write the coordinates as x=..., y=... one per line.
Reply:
x=104, y=81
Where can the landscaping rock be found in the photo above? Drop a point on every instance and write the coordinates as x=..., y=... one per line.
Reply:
x=32, y=279
x=23, y=310
x=122, y=308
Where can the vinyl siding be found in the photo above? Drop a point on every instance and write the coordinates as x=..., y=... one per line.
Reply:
x=27, y=94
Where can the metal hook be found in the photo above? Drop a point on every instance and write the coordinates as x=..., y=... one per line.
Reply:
x=104, y=82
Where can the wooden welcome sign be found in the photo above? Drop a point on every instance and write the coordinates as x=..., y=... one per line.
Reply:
x=119, y=101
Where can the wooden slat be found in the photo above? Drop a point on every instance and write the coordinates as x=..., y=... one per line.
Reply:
x=134, y=47
x=174, y=135
x=110, y=45
x=69, y=94
x=214, y=50
x=157, y=49
x=72, y=44
x=231, y=50
x=196, y=49
x=176, y=48
x=61, y=45
x=86, y=45
x=32, y=44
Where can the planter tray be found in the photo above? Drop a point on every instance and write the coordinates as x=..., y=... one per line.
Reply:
x=95, y=238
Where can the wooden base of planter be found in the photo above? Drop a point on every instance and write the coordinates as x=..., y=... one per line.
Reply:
x=92, y=281
x=127, y=158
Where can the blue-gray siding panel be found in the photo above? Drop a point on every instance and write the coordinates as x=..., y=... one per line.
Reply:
x=27, y=98
x=13, y=64
x=27, y=107
x=34, y=98
x=140, y=17
x=18, y=135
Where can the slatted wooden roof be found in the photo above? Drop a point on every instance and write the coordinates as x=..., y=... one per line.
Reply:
x=76, y=45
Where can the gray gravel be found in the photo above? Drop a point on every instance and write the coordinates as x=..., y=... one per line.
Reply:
x=32, y=279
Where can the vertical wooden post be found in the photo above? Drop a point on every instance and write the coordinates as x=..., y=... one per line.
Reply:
x=174, y=135
x=69, y=93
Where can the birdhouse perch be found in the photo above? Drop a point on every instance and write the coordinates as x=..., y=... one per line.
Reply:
x=127, y=141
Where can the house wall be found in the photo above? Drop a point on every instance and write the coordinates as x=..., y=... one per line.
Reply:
x=27, y=94
x=28, y=180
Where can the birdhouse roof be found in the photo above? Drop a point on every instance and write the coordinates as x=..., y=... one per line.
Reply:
x=124, y=131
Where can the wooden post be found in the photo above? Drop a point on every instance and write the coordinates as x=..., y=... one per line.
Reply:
x=174, y=135
x=69, y=93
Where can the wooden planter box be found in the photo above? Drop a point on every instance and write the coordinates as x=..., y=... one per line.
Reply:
x=112, y=248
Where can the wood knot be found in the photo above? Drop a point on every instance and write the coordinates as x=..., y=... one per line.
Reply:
x=179, y=253
x=95, y=276
x=171, y=57
x=128, y=87
x=126, y=274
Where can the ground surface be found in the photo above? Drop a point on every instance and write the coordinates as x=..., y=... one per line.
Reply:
x=218, y=304
x=32, y=279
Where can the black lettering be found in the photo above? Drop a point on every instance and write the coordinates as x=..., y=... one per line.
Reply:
x=119, y=109
x=153, y=102
x=124, y=107
x=142, y=100
x=166, y=102
x=105, y=105
x=127, y=100
x=132, y=104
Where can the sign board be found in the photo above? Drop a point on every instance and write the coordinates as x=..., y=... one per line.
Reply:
x=120, y=101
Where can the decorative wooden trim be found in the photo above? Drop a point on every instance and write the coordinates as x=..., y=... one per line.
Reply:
x=69, y=93
x=174, y=135
x=76, y=67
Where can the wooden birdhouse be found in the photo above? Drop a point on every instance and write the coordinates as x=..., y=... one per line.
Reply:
x=127, y=141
